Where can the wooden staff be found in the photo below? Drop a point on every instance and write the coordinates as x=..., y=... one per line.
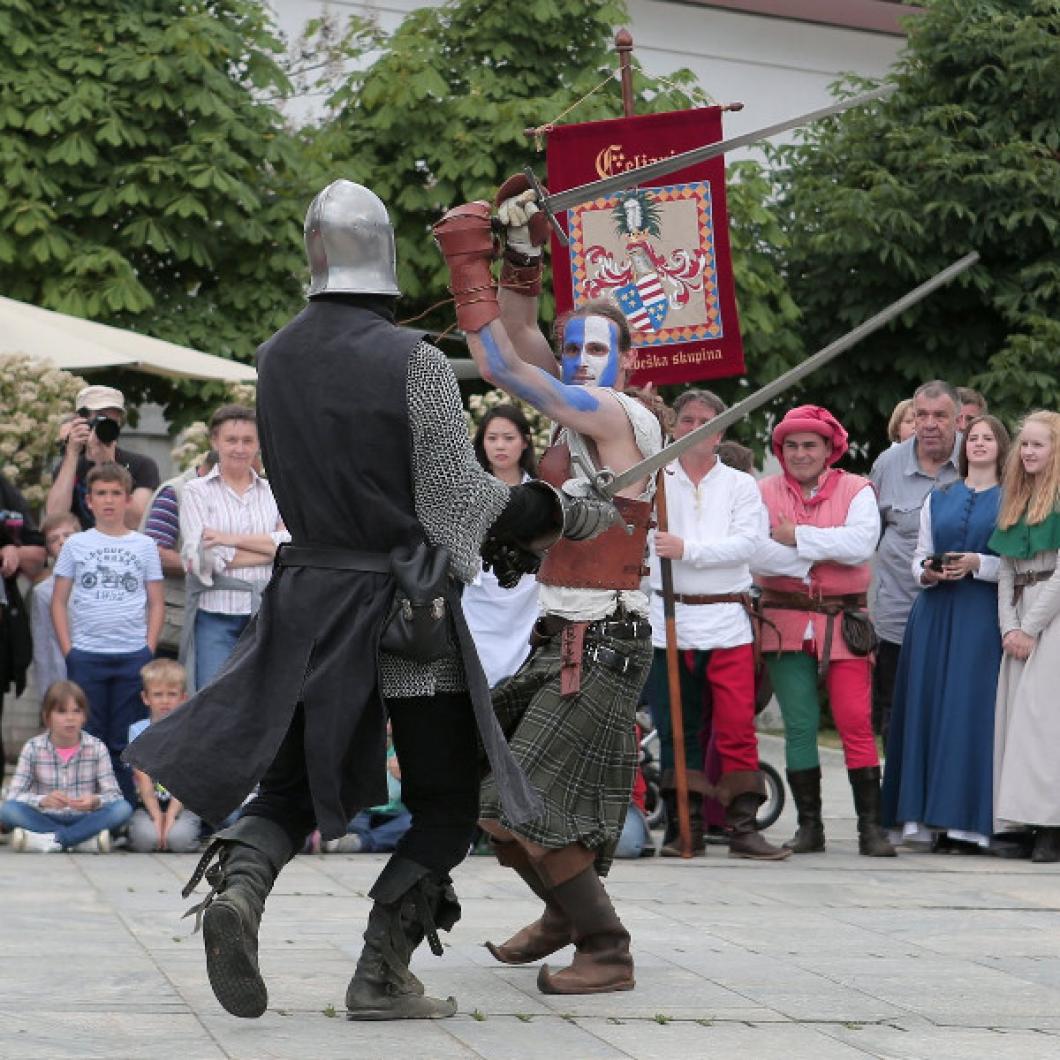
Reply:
x=673, y=674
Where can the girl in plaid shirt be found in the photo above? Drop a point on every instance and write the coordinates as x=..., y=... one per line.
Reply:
x=63, y=795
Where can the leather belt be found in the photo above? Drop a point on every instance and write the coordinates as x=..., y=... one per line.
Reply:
x=326, y=558
x=630, y=628
x=1021, y=579
x=824, y=605
x=830, y=606
x=694, y=600
x=748, y=601
x=573, y=650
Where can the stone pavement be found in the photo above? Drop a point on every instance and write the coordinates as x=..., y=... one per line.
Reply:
x=823, y=956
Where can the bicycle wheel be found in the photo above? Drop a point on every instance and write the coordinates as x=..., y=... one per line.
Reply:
x=776, y=796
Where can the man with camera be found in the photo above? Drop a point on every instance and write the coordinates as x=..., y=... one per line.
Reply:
x=904, y=475
x=91, y=438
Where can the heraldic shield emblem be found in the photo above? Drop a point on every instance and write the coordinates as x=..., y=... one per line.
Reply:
x=651, y=251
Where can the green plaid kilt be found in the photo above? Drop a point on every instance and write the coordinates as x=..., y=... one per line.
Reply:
x=579, y=752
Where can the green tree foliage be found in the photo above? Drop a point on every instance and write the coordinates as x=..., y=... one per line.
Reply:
x=148, y=182
x=964, y=155
x=437, y=112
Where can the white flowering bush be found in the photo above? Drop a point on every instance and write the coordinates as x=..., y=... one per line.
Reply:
x=34, y=397
x=540, y=424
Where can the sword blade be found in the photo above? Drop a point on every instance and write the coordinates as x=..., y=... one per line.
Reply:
x=632, y=178
x=611, y=486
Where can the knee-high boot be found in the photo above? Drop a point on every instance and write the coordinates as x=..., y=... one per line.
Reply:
x=249, y=856
x=602, y=961
x=697, y=788
x=550, y=932
x=411, y=903
x=865, y=785
x=805, y=787
x=742, y=792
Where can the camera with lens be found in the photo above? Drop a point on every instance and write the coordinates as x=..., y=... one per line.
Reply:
x=938, y=560
x=105, y=429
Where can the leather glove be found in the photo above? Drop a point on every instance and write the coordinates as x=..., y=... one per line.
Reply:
x=509, y=562
x=526, y=226
x=585, y=514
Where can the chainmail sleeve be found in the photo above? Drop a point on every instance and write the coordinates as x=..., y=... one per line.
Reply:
x=456, y=502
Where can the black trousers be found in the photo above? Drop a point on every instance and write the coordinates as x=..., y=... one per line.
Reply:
x=436, y=741
x=883, y=676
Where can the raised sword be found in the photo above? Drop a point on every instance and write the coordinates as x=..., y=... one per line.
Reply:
x=632, y=178
x=607, y=484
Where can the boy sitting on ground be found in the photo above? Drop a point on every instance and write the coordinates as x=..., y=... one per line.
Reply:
x=160, y=822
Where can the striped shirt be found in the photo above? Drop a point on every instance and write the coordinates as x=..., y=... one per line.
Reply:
x=210, y=503
x=41, y=771
x=163, y=519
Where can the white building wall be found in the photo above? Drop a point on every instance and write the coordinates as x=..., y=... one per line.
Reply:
x=776, y=67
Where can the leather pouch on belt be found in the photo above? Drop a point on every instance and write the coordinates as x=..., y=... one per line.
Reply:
x=572, y=648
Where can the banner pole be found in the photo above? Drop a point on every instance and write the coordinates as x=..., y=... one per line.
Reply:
x=673, y=676
x=624, y=47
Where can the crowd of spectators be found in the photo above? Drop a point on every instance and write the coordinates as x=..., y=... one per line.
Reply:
x=961, y=529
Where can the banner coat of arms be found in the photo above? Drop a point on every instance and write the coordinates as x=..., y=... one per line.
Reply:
x=661, y=253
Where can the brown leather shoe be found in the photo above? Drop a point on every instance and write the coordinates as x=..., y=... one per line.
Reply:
x=747, y=841
x=602, y=961
x=549, y=933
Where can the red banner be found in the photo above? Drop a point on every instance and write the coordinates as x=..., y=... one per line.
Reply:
x=661, y=251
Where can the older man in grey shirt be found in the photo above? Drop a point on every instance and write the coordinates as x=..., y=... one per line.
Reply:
x=904, y=475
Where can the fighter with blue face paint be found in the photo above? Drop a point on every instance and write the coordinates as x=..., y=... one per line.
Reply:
x=570, y=708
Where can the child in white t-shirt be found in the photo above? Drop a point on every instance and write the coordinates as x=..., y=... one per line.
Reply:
x=107, y=608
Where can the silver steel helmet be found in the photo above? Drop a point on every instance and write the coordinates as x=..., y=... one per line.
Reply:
x=350, y=242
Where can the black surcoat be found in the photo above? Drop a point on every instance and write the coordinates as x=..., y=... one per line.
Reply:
x=334, y=425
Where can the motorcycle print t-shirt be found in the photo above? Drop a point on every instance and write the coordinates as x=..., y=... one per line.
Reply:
x=108, y=600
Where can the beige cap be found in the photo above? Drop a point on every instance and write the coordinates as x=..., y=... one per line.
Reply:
x=96, y=398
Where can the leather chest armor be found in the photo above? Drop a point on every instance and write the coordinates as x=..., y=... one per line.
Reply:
x=614, y=560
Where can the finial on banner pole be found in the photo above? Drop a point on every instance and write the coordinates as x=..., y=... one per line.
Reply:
x=624, y=47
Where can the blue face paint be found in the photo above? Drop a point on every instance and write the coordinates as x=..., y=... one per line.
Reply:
x=551, y=393
x=590, y=354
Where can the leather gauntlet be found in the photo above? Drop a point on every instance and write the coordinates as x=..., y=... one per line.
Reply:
x=465, y=238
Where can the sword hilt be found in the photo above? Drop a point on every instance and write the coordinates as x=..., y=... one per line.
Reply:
x=542, y=200
x=600, y=484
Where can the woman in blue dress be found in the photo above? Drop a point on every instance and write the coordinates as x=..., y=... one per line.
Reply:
x=938, y=780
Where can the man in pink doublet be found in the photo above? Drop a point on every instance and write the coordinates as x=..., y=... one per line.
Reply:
x=814, y=573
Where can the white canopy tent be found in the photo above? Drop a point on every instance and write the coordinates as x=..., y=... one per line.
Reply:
x=80, y=345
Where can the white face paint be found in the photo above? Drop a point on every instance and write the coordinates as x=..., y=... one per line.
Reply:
x=590, y=351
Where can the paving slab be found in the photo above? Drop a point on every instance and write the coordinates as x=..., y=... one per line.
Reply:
x=830, y=955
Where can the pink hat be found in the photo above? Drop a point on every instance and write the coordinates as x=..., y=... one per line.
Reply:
x=815, y=420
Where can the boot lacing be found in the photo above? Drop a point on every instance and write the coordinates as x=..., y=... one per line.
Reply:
x=215, y=876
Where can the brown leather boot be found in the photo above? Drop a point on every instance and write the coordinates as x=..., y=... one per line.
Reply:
x=805, y=787
x=671, y=848
x=550, y=932
x=747, y=841
x=602, y=961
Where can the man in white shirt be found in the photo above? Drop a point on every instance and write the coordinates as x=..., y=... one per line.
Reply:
x=715, y=524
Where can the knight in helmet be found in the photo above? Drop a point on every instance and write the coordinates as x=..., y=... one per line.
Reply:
x=367, y=451
x=570, y=708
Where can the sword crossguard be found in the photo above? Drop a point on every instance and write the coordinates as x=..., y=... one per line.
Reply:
x=542, y=201
x=599, y=485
